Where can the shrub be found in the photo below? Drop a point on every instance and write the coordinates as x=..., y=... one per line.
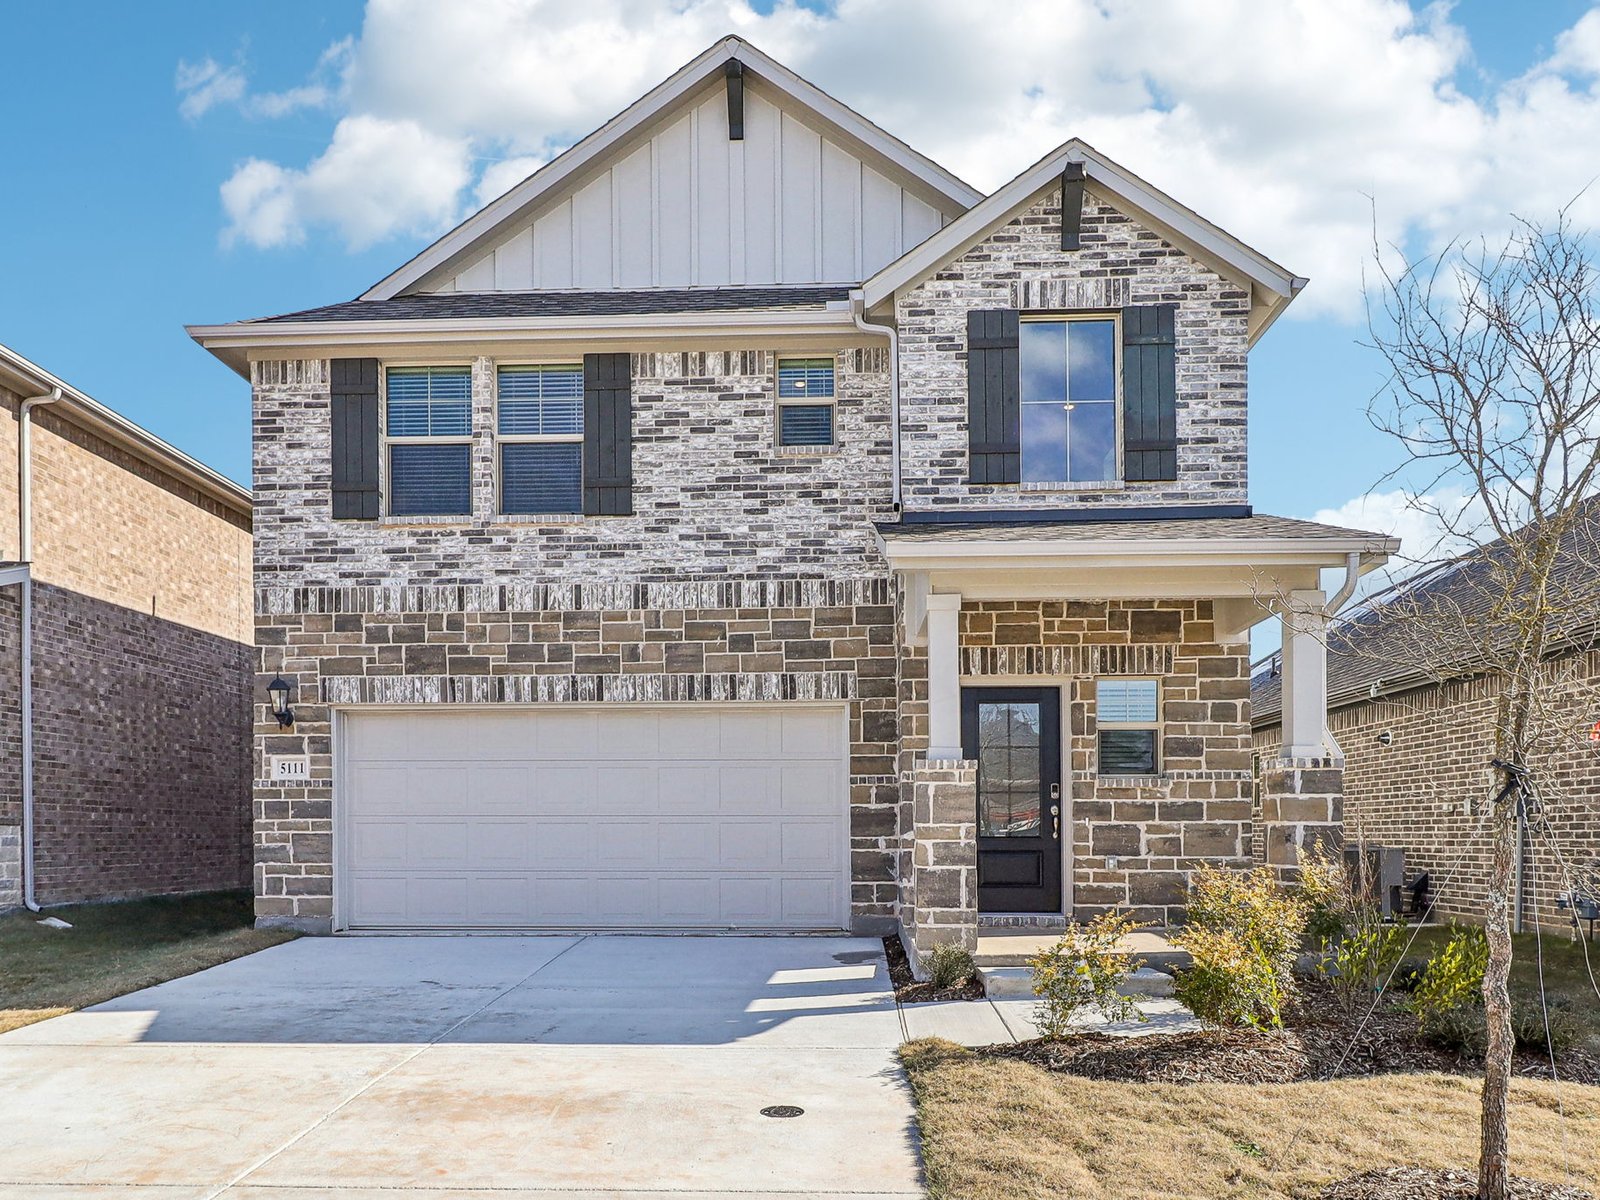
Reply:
x=1325, y=888
x=1081, y=972
x=1529, y=1028
x=948, y=966
x=1460, y=1030
x=1452, y=979
x=1360, y=963
x=1256, y=909
x=1231, y=982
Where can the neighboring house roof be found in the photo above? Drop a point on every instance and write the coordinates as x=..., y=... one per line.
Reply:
x=449, y=305
x=569, y=167
x=27, y=378
x=1379, y=649
x=1271, y=286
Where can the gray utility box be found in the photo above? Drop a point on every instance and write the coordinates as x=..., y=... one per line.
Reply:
x=1383, y=877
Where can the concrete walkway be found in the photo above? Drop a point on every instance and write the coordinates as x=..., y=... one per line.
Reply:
x=607, y=1068
x=992, y=1022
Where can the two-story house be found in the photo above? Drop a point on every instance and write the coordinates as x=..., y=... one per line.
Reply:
x=743, y=523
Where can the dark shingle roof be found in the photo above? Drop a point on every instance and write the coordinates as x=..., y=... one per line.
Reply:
x=1449, y=623
x=1221, y=529
x=648, y=301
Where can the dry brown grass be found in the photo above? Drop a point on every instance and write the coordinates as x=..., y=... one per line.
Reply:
x=1000, y=1129
x=113, y=949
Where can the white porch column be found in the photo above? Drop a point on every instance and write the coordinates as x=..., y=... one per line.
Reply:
x=944, y=675
x=1305, y=675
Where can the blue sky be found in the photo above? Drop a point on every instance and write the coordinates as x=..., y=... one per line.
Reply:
x=117, y=232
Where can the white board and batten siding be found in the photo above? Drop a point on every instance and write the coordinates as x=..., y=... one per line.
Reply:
x=683, y=816
x=688, y=207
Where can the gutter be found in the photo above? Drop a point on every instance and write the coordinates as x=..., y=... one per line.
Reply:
x=25, y=554
x=858, y=311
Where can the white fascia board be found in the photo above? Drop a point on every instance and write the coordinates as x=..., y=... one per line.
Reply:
x=1179, y=224
x=232, y=342
x=1168, y=552
x=85, y=411
x=640, y=114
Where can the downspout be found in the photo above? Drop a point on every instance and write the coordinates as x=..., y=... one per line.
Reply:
x=857, y=310
x=25, y=555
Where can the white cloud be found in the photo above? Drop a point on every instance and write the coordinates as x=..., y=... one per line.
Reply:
x=378, y=178
x=1290, y=124
x=205, y=84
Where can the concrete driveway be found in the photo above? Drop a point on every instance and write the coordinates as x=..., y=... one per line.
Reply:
x=611, y=1068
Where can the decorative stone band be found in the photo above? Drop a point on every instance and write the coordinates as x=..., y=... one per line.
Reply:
x=721, y=364
x=1066, y=660
x=1161, y=780
x=289, y=373
x=579, y=689
x=1056, y=293
x=575, y=597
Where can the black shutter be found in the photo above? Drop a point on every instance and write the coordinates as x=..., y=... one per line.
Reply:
x=607, y=435
x=1149, y=393
x=353, y=400
x=994, y=382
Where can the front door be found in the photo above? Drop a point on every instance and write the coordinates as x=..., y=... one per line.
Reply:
x=1015, y=736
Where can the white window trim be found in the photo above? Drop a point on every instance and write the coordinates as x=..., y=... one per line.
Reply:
x=1156, y=726
x=385, y=441
x=782, y=402
x=517, y=439
x=1115, y=317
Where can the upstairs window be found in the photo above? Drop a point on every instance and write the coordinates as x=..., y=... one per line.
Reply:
x=540, y=431
x=1128, y=717
x=805, y=402
x=1069, y=400
x=428, y=428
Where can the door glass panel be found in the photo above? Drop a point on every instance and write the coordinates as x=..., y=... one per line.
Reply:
x=1008, y=769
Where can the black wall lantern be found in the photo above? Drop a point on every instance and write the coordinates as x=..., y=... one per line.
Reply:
x=278, y=692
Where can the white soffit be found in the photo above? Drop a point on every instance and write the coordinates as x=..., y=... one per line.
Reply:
x=627, y=137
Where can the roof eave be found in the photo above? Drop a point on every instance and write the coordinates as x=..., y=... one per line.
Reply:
x=119, y=430
x=1329, y=552
x=1272, y=287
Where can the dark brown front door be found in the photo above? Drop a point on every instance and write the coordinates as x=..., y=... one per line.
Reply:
x=1015, y=736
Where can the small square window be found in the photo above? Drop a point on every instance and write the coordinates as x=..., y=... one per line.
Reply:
x=805, y=402
x=1128, y=717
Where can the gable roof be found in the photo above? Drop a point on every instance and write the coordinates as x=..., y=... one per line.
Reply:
x=1271, y=286
x=567, y=168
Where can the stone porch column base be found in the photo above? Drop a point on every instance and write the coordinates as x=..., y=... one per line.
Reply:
x=1301, y=808
x=939, y=900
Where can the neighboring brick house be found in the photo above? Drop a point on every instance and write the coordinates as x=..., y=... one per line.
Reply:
x=134, y=560
x=1417, y=750
x=657, y=549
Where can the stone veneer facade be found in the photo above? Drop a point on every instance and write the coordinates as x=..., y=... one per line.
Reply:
x=748, y=572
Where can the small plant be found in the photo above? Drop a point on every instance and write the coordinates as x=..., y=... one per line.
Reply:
x=1529, y=1026
x=1325, y=889
x=1459, y=1030
x=1081, y=972
x=1231, y=982
x=1360, y=963
x=1256, y=909
x=948, y=966
x=1453, y=979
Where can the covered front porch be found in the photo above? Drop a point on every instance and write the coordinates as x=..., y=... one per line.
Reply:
x=1079, y=740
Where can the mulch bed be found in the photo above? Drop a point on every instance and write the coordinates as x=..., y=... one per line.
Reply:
x=1318, y=1042
x=1415, y=1183
x=908, y=991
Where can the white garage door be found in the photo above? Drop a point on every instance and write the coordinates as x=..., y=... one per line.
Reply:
x=730, y=817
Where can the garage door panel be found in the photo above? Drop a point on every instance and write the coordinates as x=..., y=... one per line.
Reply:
x=699, y=816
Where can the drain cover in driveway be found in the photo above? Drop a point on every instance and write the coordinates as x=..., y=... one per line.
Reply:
x=782, y=1110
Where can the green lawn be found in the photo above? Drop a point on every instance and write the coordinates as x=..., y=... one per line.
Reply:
x=1567, y=980
x=116, y=948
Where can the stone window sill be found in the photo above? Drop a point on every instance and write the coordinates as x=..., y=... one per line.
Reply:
x=805, y=451
x=1088, y=485
x=499, y=520
x=1134, y=780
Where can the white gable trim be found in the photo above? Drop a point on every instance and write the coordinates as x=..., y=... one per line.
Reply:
x=1272, y=287
x=478, y=230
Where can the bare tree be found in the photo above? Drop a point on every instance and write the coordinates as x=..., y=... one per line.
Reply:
x=1495, y=397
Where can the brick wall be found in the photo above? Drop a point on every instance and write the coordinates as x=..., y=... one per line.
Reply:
x=1428, y=789
x=1022, y=266
x=713, y=495
x=140, y=752
x=555, y=643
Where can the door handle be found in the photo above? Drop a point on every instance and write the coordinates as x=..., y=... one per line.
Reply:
x=1055, y=821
